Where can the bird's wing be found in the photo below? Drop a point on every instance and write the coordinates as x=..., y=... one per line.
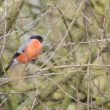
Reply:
x=22, y=48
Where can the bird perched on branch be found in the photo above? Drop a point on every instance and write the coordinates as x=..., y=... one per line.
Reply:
x=28, y=51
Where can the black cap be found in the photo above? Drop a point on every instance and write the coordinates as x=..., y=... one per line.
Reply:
x=38, y=37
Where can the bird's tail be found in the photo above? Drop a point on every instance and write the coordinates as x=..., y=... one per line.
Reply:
x=9, y=65
x=6, y=69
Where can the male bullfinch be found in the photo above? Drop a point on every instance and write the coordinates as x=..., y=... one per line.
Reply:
x=28, y=51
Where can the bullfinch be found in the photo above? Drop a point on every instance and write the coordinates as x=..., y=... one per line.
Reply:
x=28, y=51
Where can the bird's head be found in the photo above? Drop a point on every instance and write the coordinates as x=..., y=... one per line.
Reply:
x=38, y=37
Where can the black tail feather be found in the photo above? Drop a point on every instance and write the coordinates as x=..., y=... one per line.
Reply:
x=6, y=69
x=9, y=65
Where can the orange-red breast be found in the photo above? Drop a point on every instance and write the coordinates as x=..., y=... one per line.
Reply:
x=28, y=51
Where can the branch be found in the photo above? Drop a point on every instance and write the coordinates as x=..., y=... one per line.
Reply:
x=11, y=14
x=45, y=93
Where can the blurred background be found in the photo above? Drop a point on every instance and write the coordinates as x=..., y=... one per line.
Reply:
x=73, y=71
